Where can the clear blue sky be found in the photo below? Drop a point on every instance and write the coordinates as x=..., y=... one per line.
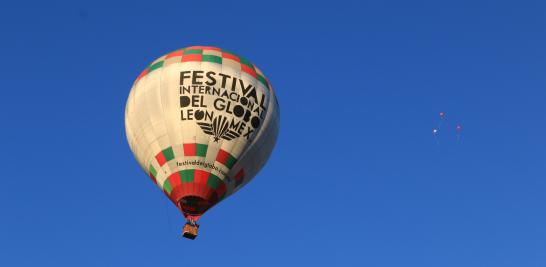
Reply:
x=356, y=178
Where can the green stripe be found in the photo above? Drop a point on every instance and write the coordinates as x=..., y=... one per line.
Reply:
x=201, y=150
x=152, y=170
x=246, y=62
x=193, y=51
x=262, y=80
x=187, y=176
x=213, y=181
x=212, y=58
x=167, y=186
x=155, y=66
x=168, y=153
x=208, y=58
x=230, y=161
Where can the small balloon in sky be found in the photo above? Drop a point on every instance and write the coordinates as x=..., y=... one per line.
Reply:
x=442, y=116
x=435, y=134
x=459, y=129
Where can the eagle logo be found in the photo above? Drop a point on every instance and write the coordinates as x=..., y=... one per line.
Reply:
x=219, y=128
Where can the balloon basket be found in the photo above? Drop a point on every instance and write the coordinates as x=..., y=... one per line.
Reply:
x=190, y=231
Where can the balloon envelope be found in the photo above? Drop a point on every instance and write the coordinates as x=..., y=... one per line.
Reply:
x=201, y=122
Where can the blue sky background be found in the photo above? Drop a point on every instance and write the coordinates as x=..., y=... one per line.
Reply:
x=356, y=178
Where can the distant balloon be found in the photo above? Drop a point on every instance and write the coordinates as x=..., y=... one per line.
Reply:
x=436, y=131
x=459, y=129
x=441, y=120
x=201, y=122
x=435, y=134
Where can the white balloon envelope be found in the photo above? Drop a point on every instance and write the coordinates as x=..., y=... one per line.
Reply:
x=201, y=121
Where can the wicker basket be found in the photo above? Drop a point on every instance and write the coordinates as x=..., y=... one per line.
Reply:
x=190, y=231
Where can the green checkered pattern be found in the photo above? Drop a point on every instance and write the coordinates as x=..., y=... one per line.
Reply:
x=206, y=54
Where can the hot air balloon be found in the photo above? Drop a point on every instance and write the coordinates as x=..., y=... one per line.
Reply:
x=459, y=129
x=201, y=122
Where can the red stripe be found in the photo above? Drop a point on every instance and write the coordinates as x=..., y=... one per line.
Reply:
x=175, y=54
x=222, y=156
x=192, y=57
x=198, y=188
x=160, y=158
x=142, y=74
x=174, y=179
x=221, y=190
x=212, y=48
x=240, y=174
x=177, y=194
x=239, y=177
x=249, y=70
x=200, y=183
x=230, y=56
x=189, y=149
x=201, y=177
